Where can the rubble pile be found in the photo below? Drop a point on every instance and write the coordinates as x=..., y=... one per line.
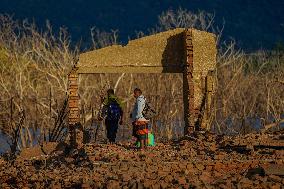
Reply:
x=201, y=160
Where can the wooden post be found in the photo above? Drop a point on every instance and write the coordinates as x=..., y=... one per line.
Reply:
x=75, y=127
x=188, y=84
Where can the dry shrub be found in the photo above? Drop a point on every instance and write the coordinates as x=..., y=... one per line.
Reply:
x=164, y=91
x=34, y=65
x=249, y=94
x=102, y=39
x=183, y=18
x=247, y=89
x=250, y=91
x=33, y=78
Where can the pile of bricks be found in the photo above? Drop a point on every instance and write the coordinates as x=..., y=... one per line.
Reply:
x=199, y=160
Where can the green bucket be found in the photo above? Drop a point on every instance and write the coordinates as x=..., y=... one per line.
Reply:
x=151, y=140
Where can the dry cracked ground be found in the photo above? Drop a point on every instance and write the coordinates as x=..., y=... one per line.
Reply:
x=202, y=160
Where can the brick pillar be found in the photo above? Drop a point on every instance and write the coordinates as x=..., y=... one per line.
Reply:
x=188, y=84
x=75, y=128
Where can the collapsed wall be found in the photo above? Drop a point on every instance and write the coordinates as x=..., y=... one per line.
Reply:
x=159, y=53
x=188, y=51
x=199, y=77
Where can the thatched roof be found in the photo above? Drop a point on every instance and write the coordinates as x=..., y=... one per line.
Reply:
x=162, y=52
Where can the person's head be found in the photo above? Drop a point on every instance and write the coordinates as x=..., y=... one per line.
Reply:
x=110, y=92
x=137, y=92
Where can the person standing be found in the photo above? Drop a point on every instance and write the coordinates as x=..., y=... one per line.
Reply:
x=112, y=113
x=139, y=122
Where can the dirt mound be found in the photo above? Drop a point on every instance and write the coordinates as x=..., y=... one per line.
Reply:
x=202, y=160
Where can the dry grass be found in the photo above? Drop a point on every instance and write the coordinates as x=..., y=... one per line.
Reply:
x=33, y=79
x=34, y=66
x=164, y=91
x=250, y=90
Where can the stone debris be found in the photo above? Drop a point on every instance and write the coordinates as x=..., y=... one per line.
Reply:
x=202, y=160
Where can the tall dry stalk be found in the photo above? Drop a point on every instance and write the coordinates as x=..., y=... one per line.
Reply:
x=249, y=94
x=34, y=66
x=33, y=71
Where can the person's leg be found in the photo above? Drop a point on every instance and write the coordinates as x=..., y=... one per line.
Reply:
x=139, y=139
x=108, y=129
x=145, y=135
x=134, y=133
x=114, y=130
x=142, y=145
x=138, y=135
x=146, y=141
x=134, y=130
x=143, y=142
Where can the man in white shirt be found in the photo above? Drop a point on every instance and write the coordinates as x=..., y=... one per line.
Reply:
x=140, y=124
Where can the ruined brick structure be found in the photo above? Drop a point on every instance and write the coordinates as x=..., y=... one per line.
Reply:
x=181, y=50
x=75, y=128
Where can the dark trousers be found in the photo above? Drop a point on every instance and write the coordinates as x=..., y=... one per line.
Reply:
x=134, y=130
x=111, y=127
